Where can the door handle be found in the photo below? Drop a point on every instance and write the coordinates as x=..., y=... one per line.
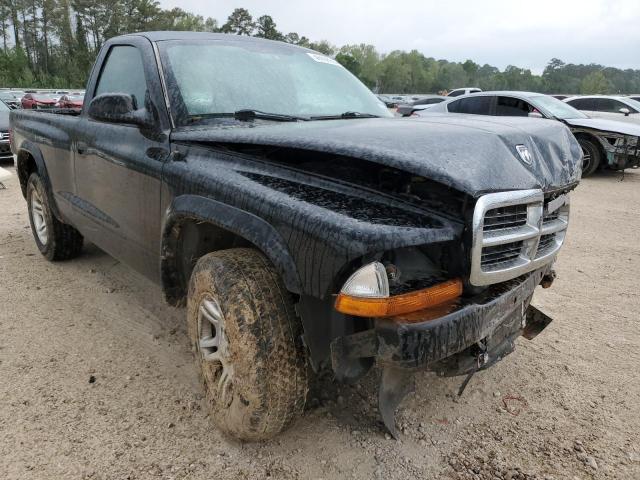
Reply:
x=81, y=148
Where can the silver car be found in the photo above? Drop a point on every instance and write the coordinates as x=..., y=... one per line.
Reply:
x=620, y=108
x=605, y=143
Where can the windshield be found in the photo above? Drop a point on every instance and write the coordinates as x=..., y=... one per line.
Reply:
x=215, y=77
x=634, y=103
x=556, y=107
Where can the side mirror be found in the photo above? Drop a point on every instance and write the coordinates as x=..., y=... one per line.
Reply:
x=625, y=111
x=119, y=108
x=535, y=115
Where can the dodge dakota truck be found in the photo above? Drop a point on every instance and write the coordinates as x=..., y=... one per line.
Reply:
x=304, y=227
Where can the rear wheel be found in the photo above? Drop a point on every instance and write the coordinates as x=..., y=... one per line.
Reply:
x=591, y=156
x=54, y=239
x=247, y=341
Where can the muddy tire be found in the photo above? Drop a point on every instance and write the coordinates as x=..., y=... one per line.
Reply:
x=55, y=240
x=591, y=156
x=247, y=341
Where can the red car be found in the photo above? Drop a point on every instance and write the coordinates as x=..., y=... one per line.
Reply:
x=39, y=100
x=73, y=100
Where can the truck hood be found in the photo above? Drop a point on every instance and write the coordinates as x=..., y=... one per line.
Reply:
x=604, y=125
x=473, y=155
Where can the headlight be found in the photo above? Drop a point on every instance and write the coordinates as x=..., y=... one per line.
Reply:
x=366, y=294
x=368, y=282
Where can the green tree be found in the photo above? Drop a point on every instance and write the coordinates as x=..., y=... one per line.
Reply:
x=369, y=60
x=292, y=37
x=595, y=83
x=323, y=47
x=471, y=68
x=349, y=62
x=450, y=76
x=239, y=22
x=266, y=28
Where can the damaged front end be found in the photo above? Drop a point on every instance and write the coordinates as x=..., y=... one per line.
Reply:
x=514, y=239
x=475, y=334
x=620, y=146
x=622, y=151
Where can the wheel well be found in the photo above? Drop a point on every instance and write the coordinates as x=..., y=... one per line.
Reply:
x=26, y=166
x=594, y=140
x=184, y=243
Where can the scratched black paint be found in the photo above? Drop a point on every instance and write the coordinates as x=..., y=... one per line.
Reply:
x=131, y=188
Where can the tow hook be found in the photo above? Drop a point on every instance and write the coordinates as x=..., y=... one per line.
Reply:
x=548, y=278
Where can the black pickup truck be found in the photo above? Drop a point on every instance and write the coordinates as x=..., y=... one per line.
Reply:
x=304, y=227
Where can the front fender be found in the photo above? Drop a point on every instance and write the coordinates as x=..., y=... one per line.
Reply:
x=239, y=222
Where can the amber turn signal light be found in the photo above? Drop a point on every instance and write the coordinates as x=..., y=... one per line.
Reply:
x=399, y=304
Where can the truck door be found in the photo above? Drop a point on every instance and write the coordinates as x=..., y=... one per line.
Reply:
x=118, y=166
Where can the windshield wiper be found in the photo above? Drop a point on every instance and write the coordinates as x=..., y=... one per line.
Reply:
x=248, y=114
x=345, y=115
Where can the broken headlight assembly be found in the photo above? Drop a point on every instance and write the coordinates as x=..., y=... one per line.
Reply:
x=366, y=294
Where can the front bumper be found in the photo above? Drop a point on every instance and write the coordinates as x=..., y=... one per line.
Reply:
x=448, y=344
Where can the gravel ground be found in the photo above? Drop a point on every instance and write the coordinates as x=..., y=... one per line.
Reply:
x=97, y=380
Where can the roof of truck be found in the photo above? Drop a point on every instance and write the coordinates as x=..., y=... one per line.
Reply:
x=172, y=35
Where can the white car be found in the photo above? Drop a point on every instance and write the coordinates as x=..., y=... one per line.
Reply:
x=624, y=109
x=463, y=91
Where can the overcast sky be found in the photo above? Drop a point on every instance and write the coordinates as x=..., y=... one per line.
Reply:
x=498, y=32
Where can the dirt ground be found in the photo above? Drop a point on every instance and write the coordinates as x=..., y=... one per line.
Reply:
x=97, y=380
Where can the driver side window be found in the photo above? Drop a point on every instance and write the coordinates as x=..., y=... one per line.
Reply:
x=512, y=107
x=609, y=105
x=123, y=72
x=476, y=105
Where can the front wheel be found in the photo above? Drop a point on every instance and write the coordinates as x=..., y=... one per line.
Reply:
x=247, y=341
x=54, y=239
x=591, y=156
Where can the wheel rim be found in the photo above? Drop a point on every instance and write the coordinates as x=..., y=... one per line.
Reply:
x=586, y=159
x=213, y=346
x=38, y=218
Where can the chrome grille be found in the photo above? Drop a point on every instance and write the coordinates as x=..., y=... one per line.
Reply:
x=514, y=233
x=494, y=257
x=506, y=217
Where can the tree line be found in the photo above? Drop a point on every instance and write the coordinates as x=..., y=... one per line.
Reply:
x=53, y=43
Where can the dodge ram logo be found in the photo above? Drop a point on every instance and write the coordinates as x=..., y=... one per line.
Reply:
x=525, y=156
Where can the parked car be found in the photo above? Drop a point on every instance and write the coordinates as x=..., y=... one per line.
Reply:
x=604, y=106
x=463, y=91
x=5, y=148
x=73, y=100
x=10, y=98
x=39, y=100
x=268, y=189
x=407, y=109
x=635, y=97
x=388, y=101
x=605, y=143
